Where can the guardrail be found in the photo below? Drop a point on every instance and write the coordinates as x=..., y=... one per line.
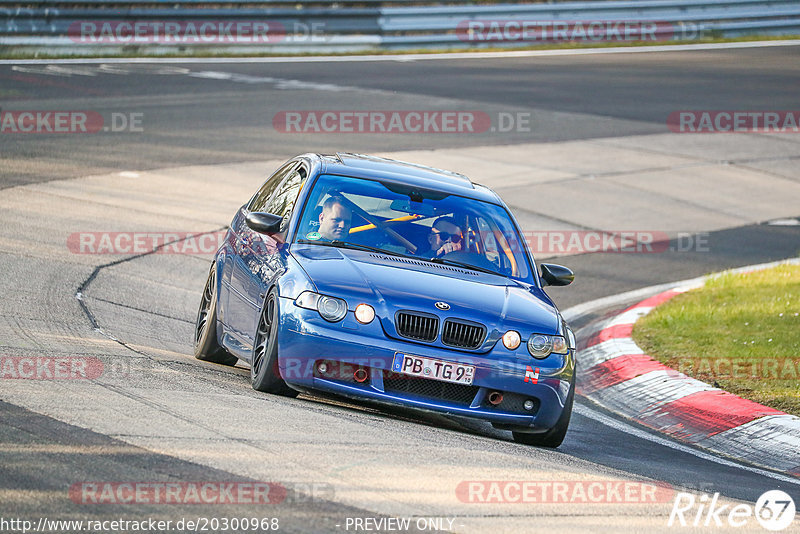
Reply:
x=347, y=25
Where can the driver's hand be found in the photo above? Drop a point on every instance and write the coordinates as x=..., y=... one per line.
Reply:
x=448, y=247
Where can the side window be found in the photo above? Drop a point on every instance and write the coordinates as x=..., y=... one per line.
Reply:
x=259, y=202
x=282, y=200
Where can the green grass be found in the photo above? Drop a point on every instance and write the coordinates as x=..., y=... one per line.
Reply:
x=13, y=52
x=740, y=332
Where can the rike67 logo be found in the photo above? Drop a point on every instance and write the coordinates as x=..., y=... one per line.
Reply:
x=774, y=510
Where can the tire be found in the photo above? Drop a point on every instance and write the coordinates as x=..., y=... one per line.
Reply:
x=553, y=437
x=206, y=346
x=264, y=374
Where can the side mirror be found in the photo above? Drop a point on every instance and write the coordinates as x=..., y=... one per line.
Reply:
x=556, y=275
x=263, y=223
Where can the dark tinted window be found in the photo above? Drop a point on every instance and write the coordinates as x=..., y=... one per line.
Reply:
x=261, y=199
x=283, y=198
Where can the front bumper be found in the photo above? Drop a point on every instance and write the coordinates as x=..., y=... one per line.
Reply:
x=305, y=340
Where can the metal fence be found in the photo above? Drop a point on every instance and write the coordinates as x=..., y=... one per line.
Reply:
x=161, y=26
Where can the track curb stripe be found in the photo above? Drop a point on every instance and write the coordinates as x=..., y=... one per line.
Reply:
x=700, y=415
x=617, y=331
x=618, y=370
x=608, y=350
x=616, y=374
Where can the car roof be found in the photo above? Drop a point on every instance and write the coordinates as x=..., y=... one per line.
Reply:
x=401, y=172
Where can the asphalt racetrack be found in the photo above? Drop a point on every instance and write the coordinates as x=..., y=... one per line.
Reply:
x=575, y=143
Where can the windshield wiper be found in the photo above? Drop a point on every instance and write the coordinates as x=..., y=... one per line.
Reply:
x=345, y=244
x=464, y=265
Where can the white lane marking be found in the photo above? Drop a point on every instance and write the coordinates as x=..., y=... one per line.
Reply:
x=210, y=75
x=56, y=70
x=120, y=69
x=280, y=83
x=639, y=433
x=415, y=57
x=142, y=69
x=784, y=222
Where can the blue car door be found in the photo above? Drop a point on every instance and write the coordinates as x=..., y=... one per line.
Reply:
x=257, y=260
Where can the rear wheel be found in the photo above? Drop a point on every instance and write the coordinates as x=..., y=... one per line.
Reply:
x=264, y=374
x=206, y=347
x=553, y=437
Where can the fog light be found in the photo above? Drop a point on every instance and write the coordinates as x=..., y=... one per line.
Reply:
x=322, y=368
x=365, y=313
x=360, y=375
x=528, y=405
x=511, y=340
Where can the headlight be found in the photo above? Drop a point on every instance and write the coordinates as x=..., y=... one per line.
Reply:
x=511, y=339
x=559, y=345
x=541, y=346
x=307, y=300
x=330, y=308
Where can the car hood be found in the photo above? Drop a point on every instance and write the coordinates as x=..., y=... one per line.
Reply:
x=396, y=283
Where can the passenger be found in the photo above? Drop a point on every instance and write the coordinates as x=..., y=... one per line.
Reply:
x=335, y=219
x=445, y=236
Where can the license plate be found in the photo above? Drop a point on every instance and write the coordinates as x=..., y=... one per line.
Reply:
x=432, y=368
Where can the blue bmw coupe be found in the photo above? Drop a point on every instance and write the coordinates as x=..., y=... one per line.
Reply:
x=394, y=283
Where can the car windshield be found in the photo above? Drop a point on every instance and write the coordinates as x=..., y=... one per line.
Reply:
x=408, y=221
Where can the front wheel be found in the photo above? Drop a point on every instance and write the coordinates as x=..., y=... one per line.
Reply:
x=553, y=437
x=206, y=346
x=264, y=374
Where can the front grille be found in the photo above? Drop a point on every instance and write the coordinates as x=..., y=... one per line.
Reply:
x=415, y=325
x=462, y=334
x=429, y=389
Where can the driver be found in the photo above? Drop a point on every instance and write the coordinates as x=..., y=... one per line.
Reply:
x=335, y=219
x=445, y=236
